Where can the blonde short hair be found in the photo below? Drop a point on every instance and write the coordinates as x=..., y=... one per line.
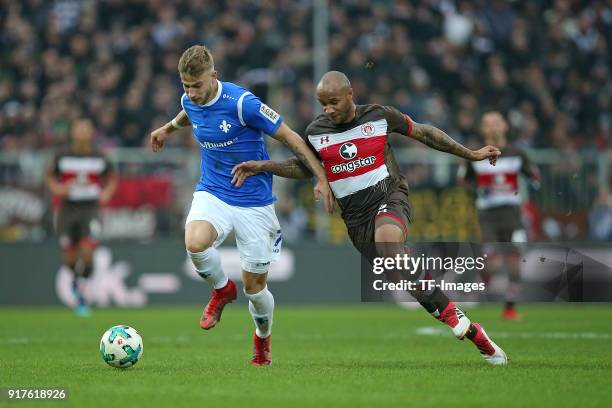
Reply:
x=195, y=61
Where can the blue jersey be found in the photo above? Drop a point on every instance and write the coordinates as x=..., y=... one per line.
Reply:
x=230, y=130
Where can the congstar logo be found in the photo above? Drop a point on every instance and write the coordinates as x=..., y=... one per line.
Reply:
x=353, y=165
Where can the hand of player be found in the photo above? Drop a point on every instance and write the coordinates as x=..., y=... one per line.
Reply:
x=245, y=169
x=104, y=197
x=322, y=189
x=62, y=190
x=487, y=152
x=158, y=138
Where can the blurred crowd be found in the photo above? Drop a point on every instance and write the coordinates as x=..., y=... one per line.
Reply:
x=545, y=64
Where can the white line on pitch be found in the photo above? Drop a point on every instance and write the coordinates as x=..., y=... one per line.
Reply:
x=438, y=331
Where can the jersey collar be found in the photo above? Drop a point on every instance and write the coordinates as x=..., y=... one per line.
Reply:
x=217, y=96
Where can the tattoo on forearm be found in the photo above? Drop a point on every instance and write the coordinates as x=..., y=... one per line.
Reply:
x=304, y=160
x=437, y=139
x=291, y=168
x=301, y=156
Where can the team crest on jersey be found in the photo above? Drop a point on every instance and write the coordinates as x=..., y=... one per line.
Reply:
x=224, y=126
x=348, y=151
x=368, y=129
x=269, y=113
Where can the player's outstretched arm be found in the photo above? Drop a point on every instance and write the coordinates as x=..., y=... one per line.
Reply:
x=307, y=157
x=437, y=139
x=159, y=136
x=291, y=168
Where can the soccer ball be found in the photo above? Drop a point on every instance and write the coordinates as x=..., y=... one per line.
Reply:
x=121, y=346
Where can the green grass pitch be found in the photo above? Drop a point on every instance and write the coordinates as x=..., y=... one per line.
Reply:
x=364, y=355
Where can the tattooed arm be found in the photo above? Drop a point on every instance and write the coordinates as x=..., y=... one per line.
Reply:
x=301, y=151
x=437, y=139
x=291, y=168
x=305, y=164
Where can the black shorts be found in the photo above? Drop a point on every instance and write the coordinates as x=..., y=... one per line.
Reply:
x=395, y=208
x=73, y=223
x=498, y=224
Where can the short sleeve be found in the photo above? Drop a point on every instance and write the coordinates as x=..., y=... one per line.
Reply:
x=255, y=114
x=307, y=132
x=397, y=122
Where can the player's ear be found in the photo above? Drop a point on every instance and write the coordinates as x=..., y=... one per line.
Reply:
x=213, y=75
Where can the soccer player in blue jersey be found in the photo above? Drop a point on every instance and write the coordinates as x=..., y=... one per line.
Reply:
x=229, y=123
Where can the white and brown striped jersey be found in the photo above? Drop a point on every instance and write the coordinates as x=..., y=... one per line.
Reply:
x=357, y=158
x=498, y=185
x=86, y=173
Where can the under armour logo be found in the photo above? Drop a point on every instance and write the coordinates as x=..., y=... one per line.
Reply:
x=325, y=139
x=224, y=126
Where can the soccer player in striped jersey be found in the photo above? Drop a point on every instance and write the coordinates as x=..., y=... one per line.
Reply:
x=79, y=179
x=499, y=203
x=351, y=141
x=229, y=124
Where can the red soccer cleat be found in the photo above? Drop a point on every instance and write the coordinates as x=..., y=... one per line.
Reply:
x=490, y=351
x=261, y=351
x=214, y=308
x=456, y=320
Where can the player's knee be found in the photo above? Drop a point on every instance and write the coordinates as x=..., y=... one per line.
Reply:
x=252, y=286
x=388, y=249
x=195, y=246
x=197, y=241
x=199, y=238
x=254, y=282
x=389, y=233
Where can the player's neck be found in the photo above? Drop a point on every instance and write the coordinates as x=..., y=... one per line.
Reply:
x=352, y=114
x=213, y=92
x=80, y=148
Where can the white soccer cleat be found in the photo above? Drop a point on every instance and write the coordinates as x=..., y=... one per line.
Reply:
x=491, y=352
x=456, y=320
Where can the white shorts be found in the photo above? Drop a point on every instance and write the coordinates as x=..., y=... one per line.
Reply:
x=258, y=233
